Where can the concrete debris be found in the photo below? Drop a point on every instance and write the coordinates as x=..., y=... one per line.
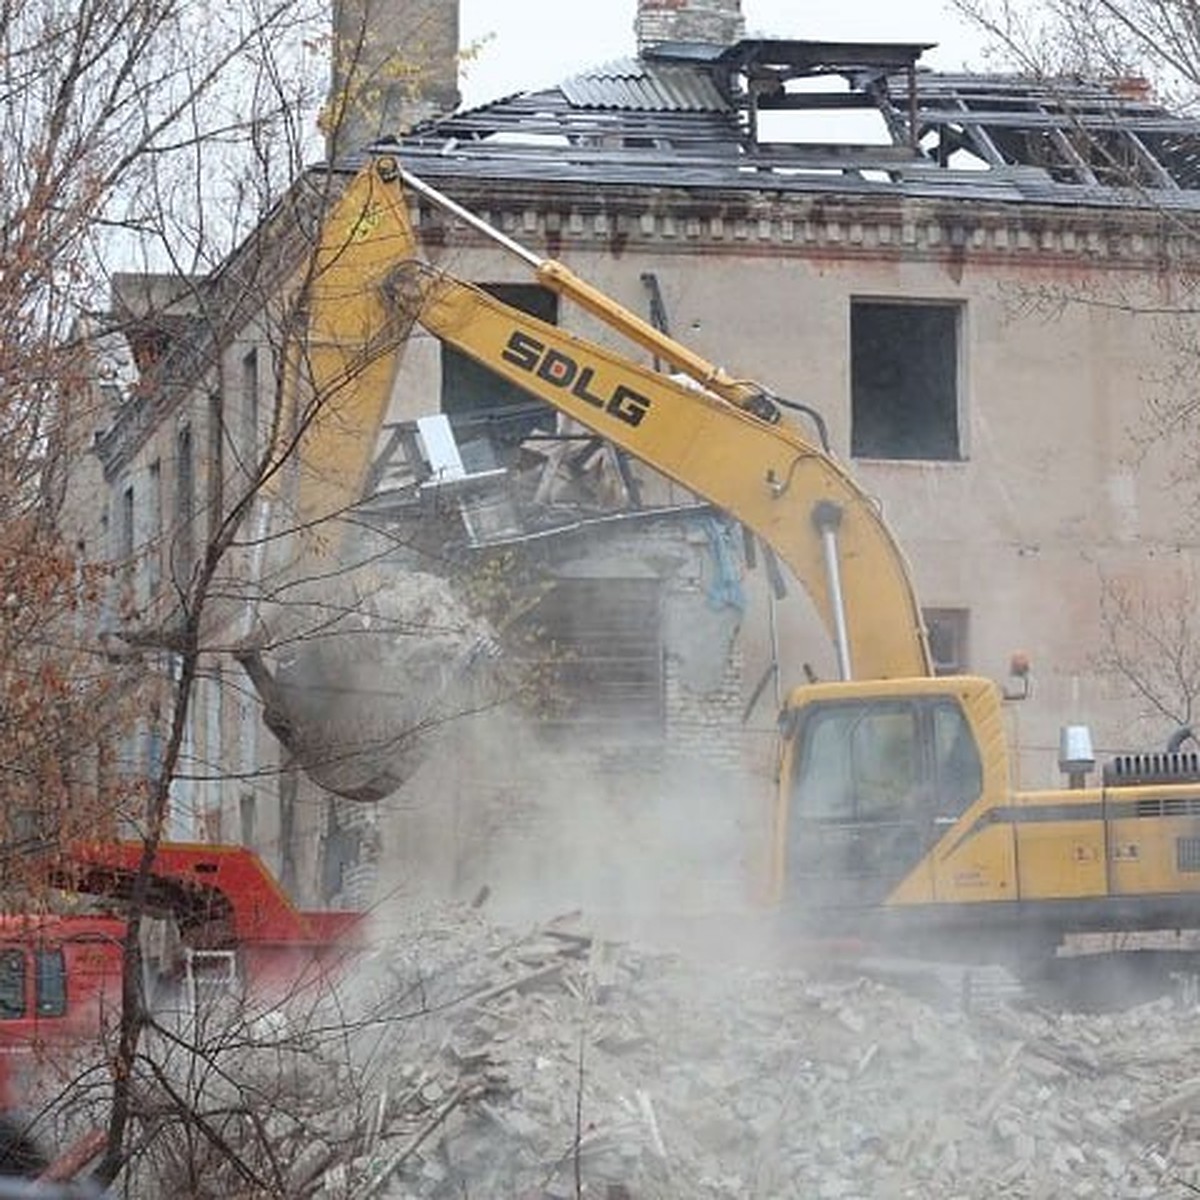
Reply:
x=550, y=1064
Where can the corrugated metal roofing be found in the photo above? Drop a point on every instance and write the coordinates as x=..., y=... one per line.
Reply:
x=641, y=86
x=694, y=123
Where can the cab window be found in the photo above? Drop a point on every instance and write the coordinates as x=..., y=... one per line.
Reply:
x=956, y=759
x=859, y=762
x=12, y=985
x=886, y=761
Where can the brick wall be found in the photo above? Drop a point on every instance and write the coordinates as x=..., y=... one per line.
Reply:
x=719, y=22
x=395, y=63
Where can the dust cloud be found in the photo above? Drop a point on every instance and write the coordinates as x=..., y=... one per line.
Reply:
x=579, y=996
x=643, y=846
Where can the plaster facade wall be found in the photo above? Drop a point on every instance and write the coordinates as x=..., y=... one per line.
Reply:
x=132, y=464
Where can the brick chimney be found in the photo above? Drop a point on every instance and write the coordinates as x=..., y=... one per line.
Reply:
x=395, y=63
x=712, y=22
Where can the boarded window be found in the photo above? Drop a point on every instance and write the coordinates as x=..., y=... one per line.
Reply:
x=481, y=403
x=596, y=648
x=904, y=380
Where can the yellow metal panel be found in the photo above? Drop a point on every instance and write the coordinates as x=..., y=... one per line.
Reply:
x=1143, y=859
x=352, y=346
x=978, y=869
x=919, y=887
x=1060, y=859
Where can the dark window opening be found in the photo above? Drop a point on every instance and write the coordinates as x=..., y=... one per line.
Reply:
x=947, y=632
x=12, y=985
x=341, y=853
x=250, y=413
x=216, y=455
x=485, y=408
x=904, y=380
x=125, y=550
x=50, y=975
x=154, y=555
x=185, y=505
x=597, y=656
x=127, y=594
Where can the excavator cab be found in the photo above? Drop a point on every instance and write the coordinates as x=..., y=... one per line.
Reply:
x=873, y=778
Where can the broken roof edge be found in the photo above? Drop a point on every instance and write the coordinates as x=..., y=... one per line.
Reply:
x=714, y=185
x=800, y=53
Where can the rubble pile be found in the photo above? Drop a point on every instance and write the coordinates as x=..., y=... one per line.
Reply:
x=557, y=1064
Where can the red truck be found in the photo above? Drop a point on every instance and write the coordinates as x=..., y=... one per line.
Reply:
x=232, y=930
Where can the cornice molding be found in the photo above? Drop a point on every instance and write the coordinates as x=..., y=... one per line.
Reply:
x=830, y=227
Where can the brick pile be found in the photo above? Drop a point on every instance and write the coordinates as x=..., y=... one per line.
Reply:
x=554, y=1064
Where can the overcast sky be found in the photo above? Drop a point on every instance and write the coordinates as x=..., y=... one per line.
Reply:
x=530, y=44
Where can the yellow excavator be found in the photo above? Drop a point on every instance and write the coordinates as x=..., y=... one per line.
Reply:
x=896, y=812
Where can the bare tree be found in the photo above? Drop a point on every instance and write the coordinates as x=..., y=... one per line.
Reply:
x=1145, y=55
x=1155, y=40
x=1153, y=644
x=171, y=139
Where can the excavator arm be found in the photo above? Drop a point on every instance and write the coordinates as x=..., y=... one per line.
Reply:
x=785, y=489
x=723, y=439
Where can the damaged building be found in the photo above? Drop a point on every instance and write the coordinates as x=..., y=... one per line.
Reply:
x=974, y=280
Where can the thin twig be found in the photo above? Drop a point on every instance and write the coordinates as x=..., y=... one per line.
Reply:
x=578, y=1155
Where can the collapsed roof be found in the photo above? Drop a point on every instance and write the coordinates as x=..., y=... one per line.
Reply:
x=744, y=117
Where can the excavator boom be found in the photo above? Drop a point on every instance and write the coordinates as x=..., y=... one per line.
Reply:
x=770, y=478
x=722, y=440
